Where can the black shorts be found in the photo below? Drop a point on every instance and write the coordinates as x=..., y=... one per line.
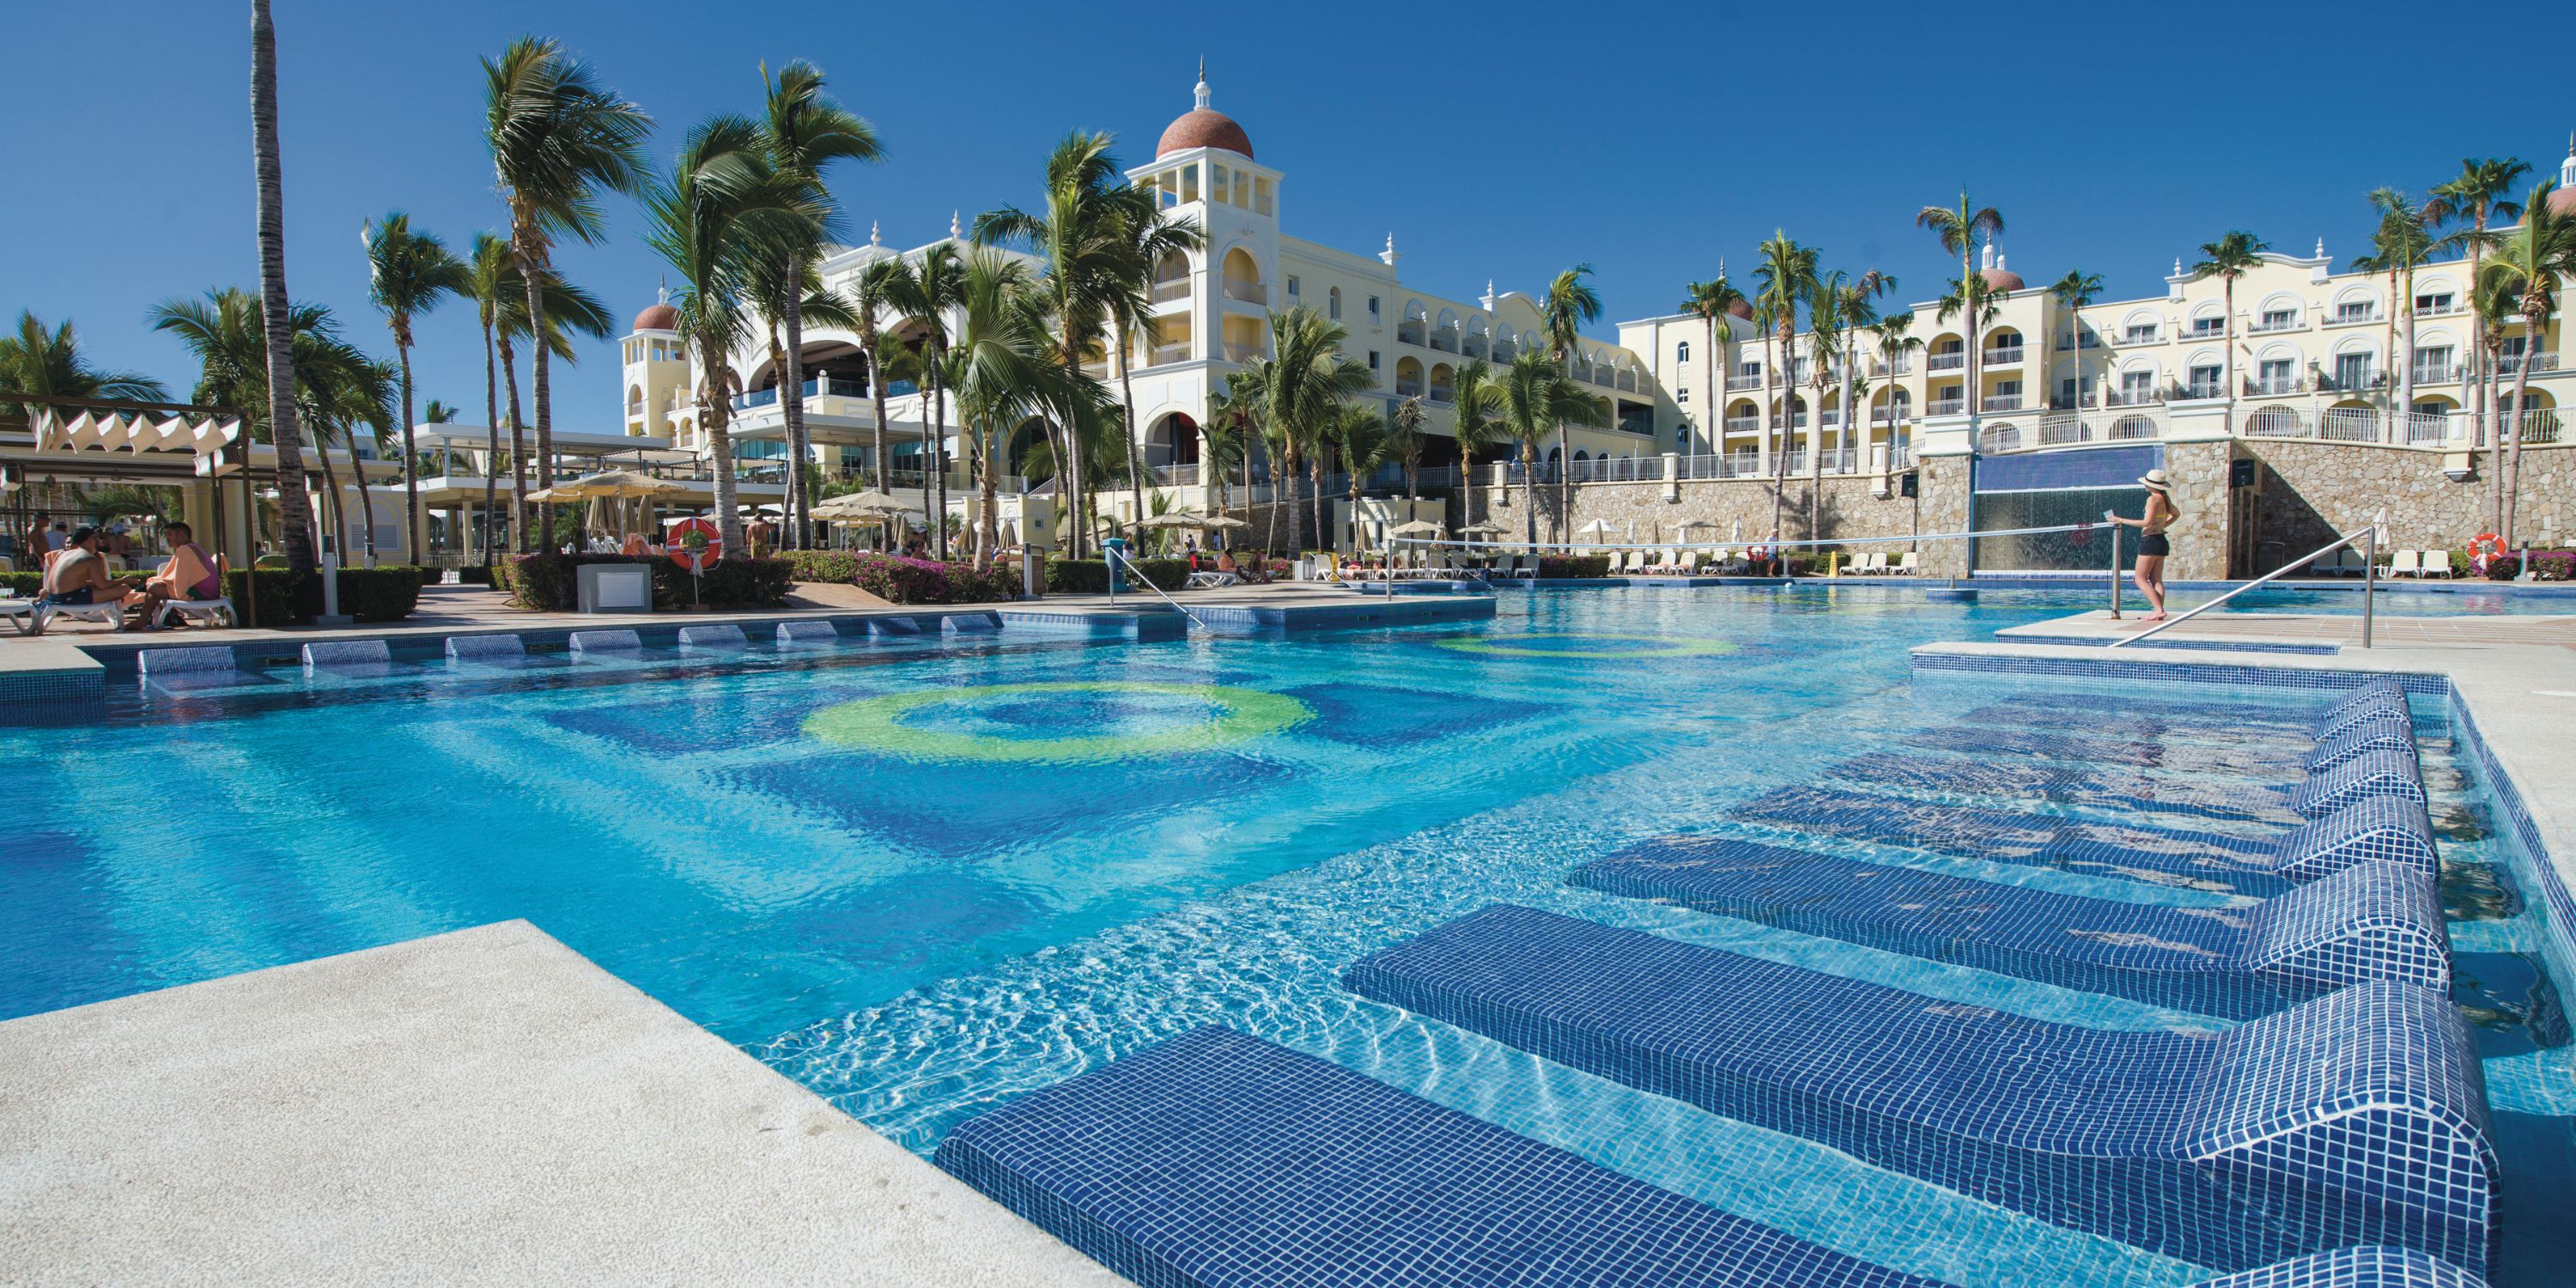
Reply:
x=2154, y=545
x=70, y=598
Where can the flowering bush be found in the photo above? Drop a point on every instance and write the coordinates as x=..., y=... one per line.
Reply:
x=2554, y=565
x=550, y=582
x=901, y=580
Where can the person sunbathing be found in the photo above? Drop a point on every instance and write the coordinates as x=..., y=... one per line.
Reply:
x=78, y=575
x=190, y=575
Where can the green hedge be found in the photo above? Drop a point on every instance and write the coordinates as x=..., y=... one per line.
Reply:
x=1091, y=576
x=901, y=580
x=1574, y=565
x=551, y=583
x=386, y=594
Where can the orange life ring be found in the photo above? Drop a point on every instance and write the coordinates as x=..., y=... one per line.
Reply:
x=2486, y=545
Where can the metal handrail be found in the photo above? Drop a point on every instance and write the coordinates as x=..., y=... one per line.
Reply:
x=2369, y=585
x=1116, y=553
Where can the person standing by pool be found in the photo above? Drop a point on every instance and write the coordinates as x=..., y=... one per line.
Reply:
x=2153, y=547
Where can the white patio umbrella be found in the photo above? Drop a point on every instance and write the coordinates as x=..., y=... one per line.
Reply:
x=1415, y=528
x=1596, y=528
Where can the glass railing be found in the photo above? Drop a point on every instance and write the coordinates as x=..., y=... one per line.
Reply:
x=1952, y=361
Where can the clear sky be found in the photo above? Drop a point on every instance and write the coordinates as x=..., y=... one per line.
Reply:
x=1499, y=140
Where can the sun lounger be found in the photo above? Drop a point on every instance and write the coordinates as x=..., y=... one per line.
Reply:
x=20, y=613
x=1686, y=563
x=1909, y=563
x=2084, y=786
x=2381, y=829
x=1217, y=1160
x=1211, y=580
x=2369, y=921
x=2353, y=1119
x=109, y=612
x=2437, y=563
x=2404, y=563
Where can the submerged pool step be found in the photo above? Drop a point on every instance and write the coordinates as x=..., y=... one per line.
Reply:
x=1217, y=1160
x=2379, y=731
x=2079, y=785
x=2370, y=774
x=2370, y=921
x=2351, y=1119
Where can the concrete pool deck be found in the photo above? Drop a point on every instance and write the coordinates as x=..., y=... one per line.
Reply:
x=484, y=1106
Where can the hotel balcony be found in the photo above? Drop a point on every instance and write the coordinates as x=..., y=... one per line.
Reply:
x=2508, y=364
x=1956, y=360
x=2133, y=398
x=1409, y=332
x=1445, y=339
x=1248, y=292
x=1945, y=406
x=2355, y=317
x=2437, y=374
x=2001, y=402
x=1879, y=369
x=2274, y=386
x=2268, y=326
x=1743, y=424
x=1167, y=354
x=2142, y=335
x=2440, y=308
x=2005, y=357
x=1737, y=384
x=1237, y=351
x=1176, y=289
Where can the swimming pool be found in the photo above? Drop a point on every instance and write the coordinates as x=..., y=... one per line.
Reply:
x=923, y=877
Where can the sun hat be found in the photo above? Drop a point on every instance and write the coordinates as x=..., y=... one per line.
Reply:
x=2156, y=481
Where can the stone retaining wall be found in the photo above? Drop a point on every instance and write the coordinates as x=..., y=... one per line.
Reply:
x=2311, y=491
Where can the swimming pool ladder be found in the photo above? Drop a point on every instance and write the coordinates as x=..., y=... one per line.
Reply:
x=1148, y=582
x=2368, y=536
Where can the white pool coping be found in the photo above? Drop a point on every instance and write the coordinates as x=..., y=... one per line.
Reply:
x=485, y=1106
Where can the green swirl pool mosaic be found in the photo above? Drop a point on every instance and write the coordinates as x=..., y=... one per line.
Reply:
x=1234, y=715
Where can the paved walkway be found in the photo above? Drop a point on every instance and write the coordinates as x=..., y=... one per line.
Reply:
x=2312, y=628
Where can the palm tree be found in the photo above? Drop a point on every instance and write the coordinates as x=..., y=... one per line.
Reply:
x=1146, y=236
x=558, y=137
x=1084, y=238
x=38, y=361
x=723, y=209
x=2534, y=256
x=2403, y=239
x=1961, y=230
x=1005, y=368
x=1787, y=276
x=2230, y=257
x=1856, y=310
x=1474, y=425
x=1894, y=342
x=295, y=509
x=1295, y=394
x=1569, y=305
x=2483, y=191
x=923, y=293
x=782, y=310
x=490, y=279
x=806, y=132
x=2496, y=299
x=1222, y=440
x=2073, y=292
x=408, y=274
x=1714, y=303
x=1534, y=398
x=1826, y=328
x=867, y=298
x=1360, y=431
x=1405, y=438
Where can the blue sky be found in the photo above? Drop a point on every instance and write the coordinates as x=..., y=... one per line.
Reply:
x=1647, y=140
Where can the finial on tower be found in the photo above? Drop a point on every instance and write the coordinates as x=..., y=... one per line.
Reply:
x=1488, y=298
x=1202, y=92
x=874, y=237
x=2567, y=168
x=662, y=294
x=1389, y=255
x=1986, y=259
x=952, y=225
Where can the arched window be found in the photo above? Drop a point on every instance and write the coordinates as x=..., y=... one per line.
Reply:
x=1681, y=352
x=1333, y=303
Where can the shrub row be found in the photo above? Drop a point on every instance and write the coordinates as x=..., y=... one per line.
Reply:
x=902, y=580
x=1091, y=576
x=1574, y=565
x=552, y=582
x=385, y=594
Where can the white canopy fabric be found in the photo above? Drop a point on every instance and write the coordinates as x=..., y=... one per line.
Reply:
x=1415, y=528
x=135, y=432
x=1596, y=528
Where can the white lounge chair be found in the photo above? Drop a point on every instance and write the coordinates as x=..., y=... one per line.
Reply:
x=1636, y=564
x=111, y=613
x=2437, y=563
x=20, y=613
x=2403, y=562
x=1906, y=565
x=1685, y=562
x=1874, y=564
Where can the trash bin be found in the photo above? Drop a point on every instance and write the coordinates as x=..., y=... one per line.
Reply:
x=614, y=588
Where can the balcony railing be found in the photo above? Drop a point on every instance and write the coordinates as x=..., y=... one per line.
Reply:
x=1735, y=384
x=2439, y=308
x=2009, y=356
x=1166, y=354
x=2199, y=390
x=2436, y=374
x=1443, y=395
x=2540, y=425
x=1743, y=424
x=1248, y=292
x=2274, y=386
x=2132, y=398
x=1955, y=360
x=1445, y=340
x=1409, y=332
x=1408, y=388
x=815, y=388
x=2079, y=340
x=2355, y=317
x=1945, y=406
x=1176, y=289
x=1878, y=367
x=1731, y=465
x=1888, y=415
x=1474, y=347
x=2145, y=335
x=2001, y=402
x=2265, y=326
x=2205, y=329
x=2358, y=382
x=2508, y=364
x=1236, y=351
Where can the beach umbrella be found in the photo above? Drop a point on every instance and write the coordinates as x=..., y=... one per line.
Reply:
x=1482, y=529
x=1596, y=528
x=1415, y=528
x=870, y=504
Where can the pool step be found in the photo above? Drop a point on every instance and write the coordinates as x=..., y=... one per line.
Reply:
x=485, y=647
x=2370, y=921
x=809, y=631
x=721, y=635
x=1217, y=1160
x=332, y=653
x=618, y=641
x=2352, y=1119
x=2376, y=773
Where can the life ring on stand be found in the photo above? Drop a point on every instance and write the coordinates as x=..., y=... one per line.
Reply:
x=2486, y=545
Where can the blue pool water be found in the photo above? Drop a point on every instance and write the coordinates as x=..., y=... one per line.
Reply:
x=922, y=877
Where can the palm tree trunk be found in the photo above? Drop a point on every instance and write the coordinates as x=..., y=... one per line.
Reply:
x=2509, y=430
x=1354, y=477
x=940, y=391
x=1315, y=493
x=1284, y=485
x=1787, y=425
x=877, y=396
x=366, y=499
x=988, y=531
x=1127, y=397
x=800, y=527
x=1816, y=455
x=528, y=246
x=2226, y=337
x=331, y=494
x=519, y=528
x=1529, y=501
x=491, y=443
x=2406, y=389
x=411, y=457
x=715, y=409
x=1712, y=416
x=2478, y=322
x=294, y=506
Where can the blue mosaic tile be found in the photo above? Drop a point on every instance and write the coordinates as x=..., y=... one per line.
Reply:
x=722, y=635
x=807, y=631
x=2076, y=785
x=2384, y=830
x=2354, y=1268
x=971, y=624
x=1935, y=658
x=603, y=642
x=1365, y=715
x=2225, y=721
x=166, y=661
x=903, y=626
x=2377, y=773
x=2379, y=731
x=1217, y=1160
x=2371, y=694
x=52, y=697
x=485, y=646
x=2355, y=1119
x=2370, y=921
x=347, y=653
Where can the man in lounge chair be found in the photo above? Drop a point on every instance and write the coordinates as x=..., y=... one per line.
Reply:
x=79, y=576
x=190, y=575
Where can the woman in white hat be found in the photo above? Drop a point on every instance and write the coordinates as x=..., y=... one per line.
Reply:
x=2149, y=574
